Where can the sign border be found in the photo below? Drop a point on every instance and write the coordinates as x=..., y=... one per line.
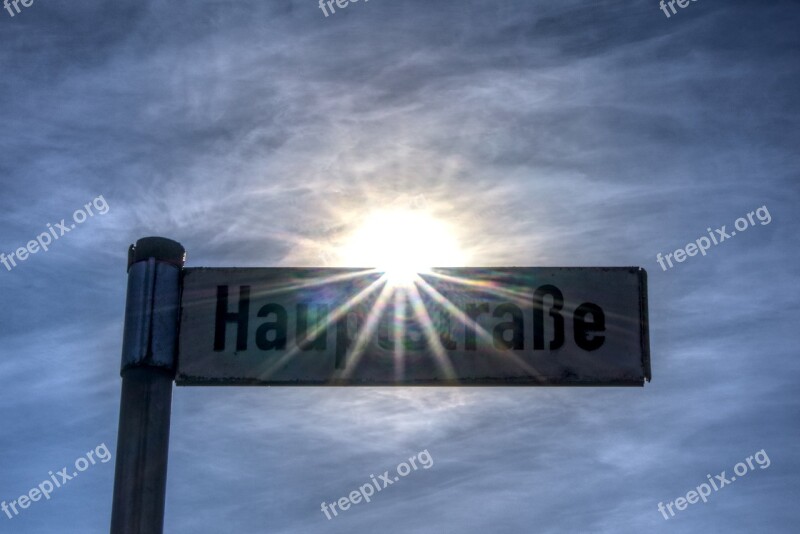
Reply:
x=644, y=338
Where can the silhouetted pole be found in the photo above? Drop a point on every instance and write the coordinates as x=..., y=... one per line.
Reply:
x=149, y=347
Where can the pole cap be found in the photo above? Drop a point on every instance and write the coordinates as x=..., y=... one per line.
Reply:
x=160, y=248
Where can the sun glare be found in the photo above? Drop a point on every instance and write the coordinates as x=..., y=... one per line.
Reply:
x=402, y=244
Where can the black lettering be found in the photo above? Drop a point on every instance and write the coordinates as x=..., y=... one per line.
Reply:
x=414, y=333
x=584, y=329
x=538, y=317
x=278, y=326
x=386, y=330
x=515, y=325
x=473, y=312
x=223, y=316
x=442, y=324
x=343, y=337
x=318, y=338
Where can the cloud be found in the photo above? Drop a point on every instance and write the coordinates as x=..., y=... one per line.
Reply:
x=548, y=133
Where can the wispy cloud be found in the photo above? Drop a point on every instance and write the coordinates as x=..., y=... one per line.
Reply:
x=547, y=133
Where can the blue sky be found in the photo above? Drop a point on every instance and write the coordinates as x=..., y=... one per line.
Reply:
x=548, y=133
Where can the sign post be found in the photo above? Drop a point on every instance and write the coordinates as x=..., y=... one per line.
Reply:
x=149, y=347
x=508, y=326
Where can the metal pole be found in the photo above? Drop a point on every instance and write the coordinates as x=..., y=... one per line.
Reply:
x=152, y=312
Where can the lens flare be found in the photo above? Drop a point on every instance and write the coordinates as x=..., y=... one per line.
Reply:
x=402, y=244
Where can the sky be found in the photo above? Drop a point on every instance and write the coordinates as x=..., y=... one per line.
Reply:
x=544, y=133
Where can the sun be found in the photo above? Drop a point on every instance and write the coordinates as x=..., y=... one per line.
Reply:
x=402, y=243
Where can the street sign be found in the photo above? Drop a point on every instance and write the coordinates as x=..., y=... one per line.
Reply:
x=569, y=326
x=565, y=326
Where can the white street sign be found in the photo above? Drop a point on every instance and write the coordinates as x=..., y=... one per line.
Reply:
x=566, y=326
